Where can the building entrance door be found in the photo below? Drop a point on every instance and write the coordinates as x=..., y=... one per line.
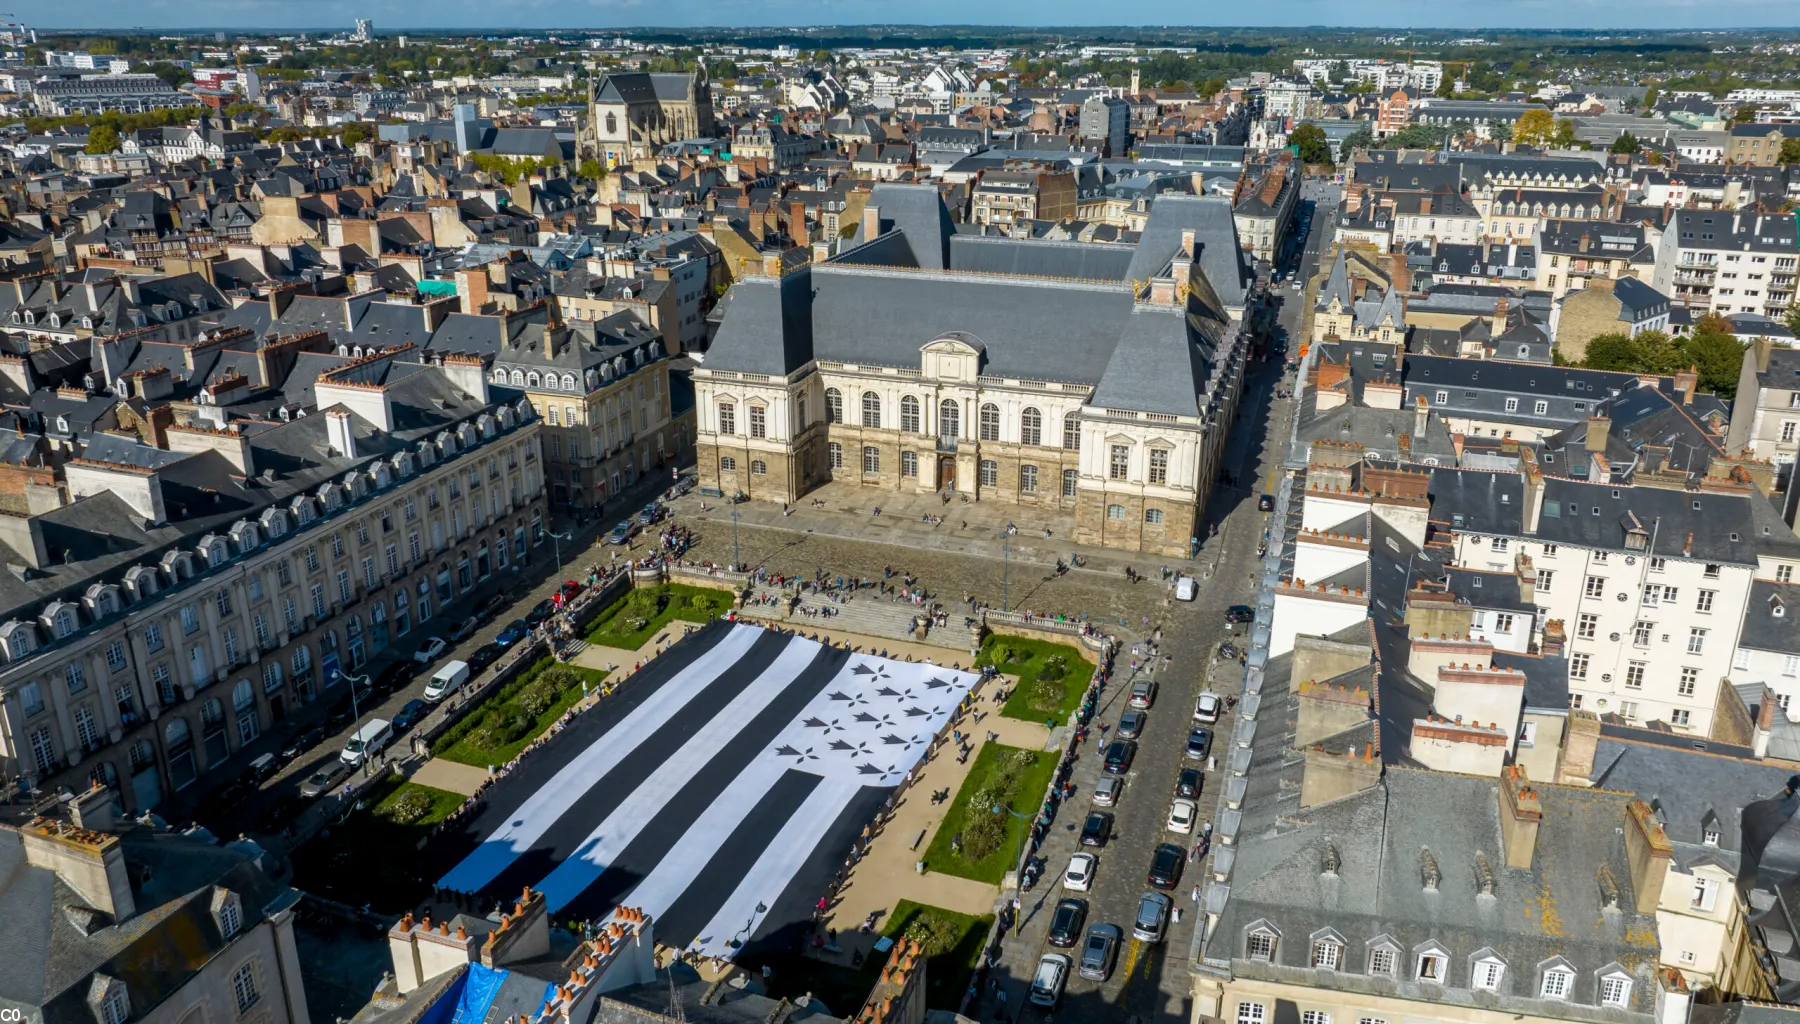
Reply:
x=946, y=473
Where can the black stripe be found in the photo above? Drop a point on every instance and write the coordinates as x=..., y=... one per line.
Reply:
x=602, y=795
x=714, y=884
x=681, y=814
x=789, y=920
x=505, y=797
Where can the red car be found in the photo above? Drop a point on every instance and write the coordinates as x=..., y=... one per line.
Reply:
x=569, y=589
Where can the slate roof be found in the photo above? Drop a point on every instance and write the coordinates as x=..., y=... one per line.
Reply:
x=1763, y=629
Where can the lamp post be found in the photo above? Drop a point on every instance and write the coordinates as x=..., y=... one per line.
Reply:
x=1005, y=572
x=1019, y=851
x=749, y=926
x=356, y=714
x=736, y=559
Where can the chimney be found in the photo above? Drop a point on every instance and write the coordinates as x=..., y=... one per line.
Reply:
x=1647, y=851
x=1686, y=381
x=1421, y=417
x=92, y=863
x=1765, y=723
x=1501, y=305
x=1585, y=241
x=1533, y=480
x=93, y=810
x=340, y=430
x=1521, y=811
x=472, y=288
x=1599, y=427
x=871, y=224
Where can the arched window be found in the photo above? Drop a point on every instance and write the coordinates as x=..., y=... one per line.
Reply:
x=758, y=467
x=871, y=409
x=990, y=422
x=834, y=455
x=531, y=379
x=518, y=378
x=871, y=460
x=949, y=419
x=909, y=414
x=1071, y=433
x=1153, y=516
x=834, y=405
x=727, y=463
x=990, y=472
x=612, y=123
x=568, y=382
x=1115, y=512
x=1031, y=427
x=242, y=696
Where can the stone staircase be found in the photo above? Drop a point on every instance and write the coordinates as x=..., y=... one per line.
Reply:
x=866, y=615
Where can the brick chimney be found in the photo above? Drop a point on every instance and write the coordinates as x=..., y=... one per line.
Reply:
x=472, y=288
x=1647, y=851
x=1686, y=381
x=1521, y=811
x=1599, y=428
x=1765, y=723
x=871, y=222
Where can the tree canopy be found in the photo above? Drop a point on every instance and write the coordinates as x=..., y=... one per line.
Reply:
x=1710, y=350
x=1535, y=127
x=1310, y=143
x=102, y=139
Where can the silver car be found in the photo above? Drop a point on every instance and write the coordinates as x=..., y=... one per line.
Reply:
x=1107, y=790
x=1100, y=951
x=1152, y=917
x=1047, y=983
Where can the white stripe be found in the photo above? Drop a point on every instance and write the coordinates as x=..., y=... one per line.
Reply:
x=610, y=838
x=781, y=860
x=554, y=798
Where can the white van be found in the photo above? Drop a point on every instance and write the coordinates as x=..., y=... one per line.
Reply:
x=368, y=741
x=446, y=680
x=1185, y=588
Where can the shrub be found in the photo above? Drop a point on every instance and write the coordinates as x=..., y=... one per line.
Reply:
x=537, y=698
x=934, y=933
x=982, y=834
x=1046, y=695
x=410, y=807
x=1055, y=667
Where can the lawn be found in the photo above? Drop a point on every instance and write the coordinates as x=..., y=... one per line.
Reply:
x=635, y=618
x=1002, y=775
x=495, y=732
x=372, y=858
x=952, y=945
x=1052, y=677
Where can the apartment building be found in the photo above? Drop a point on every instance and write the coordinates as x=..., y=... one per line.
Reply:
x=1712, y=260
x=1006, y=198
x=185, y=599
x=1765, y=419
x=1571, y=254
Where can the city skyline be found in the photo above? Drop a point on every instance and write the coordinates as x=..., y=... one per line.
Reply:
x=469, y=15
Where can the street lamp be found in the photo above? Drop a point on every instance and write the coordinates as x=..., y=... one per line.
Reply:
x=356, y=713
x=557, y=547
x=749, y=925
x=1005, y=572
x=736, y=560
x=1019, y=852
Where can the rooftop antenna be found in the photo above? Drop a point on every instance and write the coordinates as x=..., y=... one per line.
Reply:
x=676, y=1010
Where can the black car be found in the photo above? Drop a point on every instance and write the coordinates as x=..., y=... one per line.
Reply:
x=483, y=657
x=1165, y=866
x=1131, y=724
x=539, y=612
x=1118, y=756
x=494, y=605
x=1199, y=744
x=1097, y=829
x=1066, y=923
x=1240, y=613
x=393, y=677
x=302, y=743
x=409, y=715
x=340, y=715
x=1266, y=503
x=1189, y=783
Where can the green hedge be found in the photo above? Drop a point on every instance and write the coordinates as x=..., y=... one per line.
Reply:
x=495, y=732
x=1052, y=677
x=632, y=620
x=1007, y=776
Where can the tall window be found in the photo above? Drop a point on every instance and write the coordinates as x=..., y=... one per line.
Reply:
x=1071, y=433
x=1159, y=465
x=1119, y=462
x=909, y=464
x=1031, y=427
x=871, y=409
x=949, y=419
x=1696, y=640
x=1487, y=974
x=834, y=455
x=727, y=418
x=1069, y=478
x=1260, y=946
x=758, y=421
x=834, y=405
x=909, y=414
x=990, y=472
x=990, y=422
x=243, y=985
x=1326, y=953
x=1028, y=478
x=871, y=460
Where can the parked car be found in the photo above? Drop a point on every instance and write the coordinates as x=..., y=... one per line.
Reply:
x=649, y=514
x=515, y=631
x=1066, y=922
x=1131, y=724
x=1186, y=589
x=494, y=605
x=392, y=677
x=569, y=590
x=340, y=714
x=325, y=779
x=484, y=656
x=540, y=611
x=1097, y=829
x=1119, y=754
x=1143, y=694
x=263, y=766
x=1207, y=707
x=1166, y=864
x=1108, y=790
x=1099, y=952
x=1047, y=984
x=621, y=534
x=1199, y=744
x=1238, y=614
x=1266, y=503
x=1189, y=783
x=1182, y=813
x=303, y=742
x=429, y=650
x=465, y=629
x=446, y=680
x=1152, y=917
x=1079, y=875
x=367, y=742
x=410, y=714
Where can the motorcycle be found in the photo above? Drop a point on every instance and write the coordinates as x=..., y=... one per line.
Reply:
x=1229, y=651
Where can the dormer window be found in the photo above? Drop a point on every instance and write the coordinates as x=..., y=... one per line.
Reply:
x=1431, y=965
x=1615, y=988
x=109, y=1000
x=228, y=912
x=1558, y=980
x=1485, y=973
x=1710, y=837
x=1260, y=944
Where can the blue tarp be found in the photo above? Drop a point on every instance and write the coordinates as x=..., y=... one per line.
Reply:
x=478, y=994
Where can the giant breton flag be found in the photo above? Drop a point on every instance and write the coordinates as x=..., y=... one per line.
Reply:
x=732, y=773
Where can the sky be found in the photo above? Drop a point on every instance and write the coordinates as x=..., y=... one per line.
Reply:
x=328, y=15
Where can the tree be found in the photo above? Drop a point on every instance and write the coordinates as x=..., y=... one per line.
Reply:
x=287, y=133
x=355, y=132
x=1564, y=136
x=1790, y=151
x=1650, y=97
x=1625, y=143
x=172, y=74
x=1535, y=127
x=102, y=138
x=1361, y=138
x=1717, y=356
x=1614, y=351
x=1310, y=143
x=1446, y=89
x=1502, y=132
x=591, y=168
x=1744, y=115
